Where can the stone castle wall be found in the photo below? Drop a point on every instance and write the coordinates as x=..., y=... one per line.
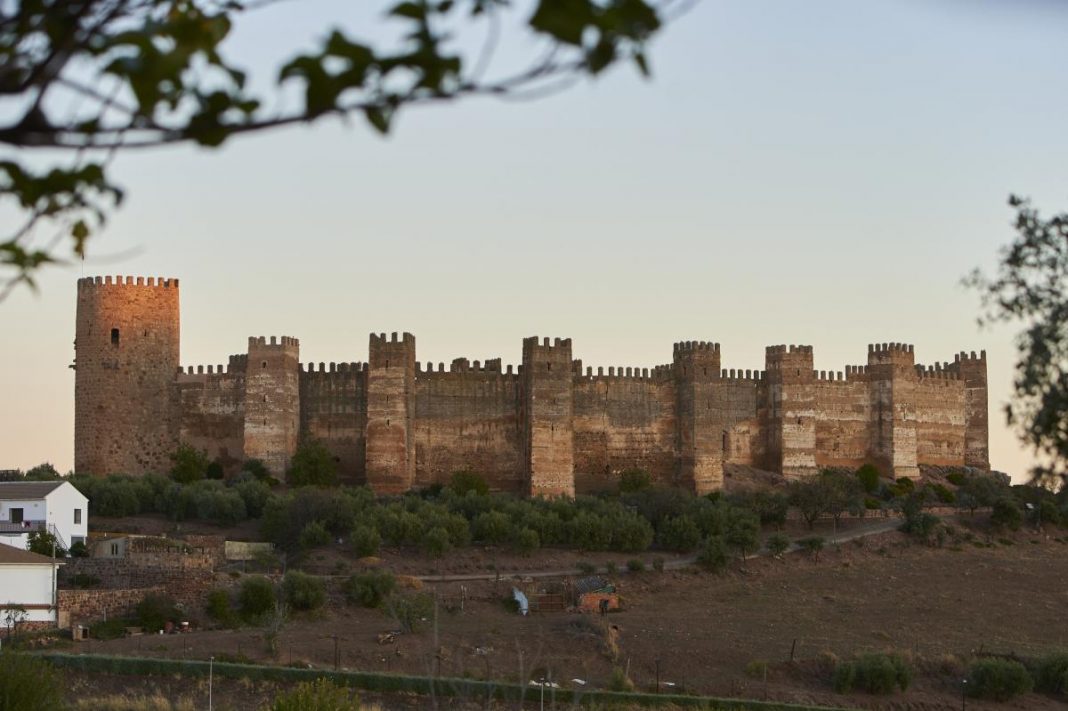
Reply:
x=547, y=427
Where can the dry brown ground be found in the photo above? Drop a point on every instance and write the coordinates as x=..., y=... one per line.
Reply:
x=938, y=605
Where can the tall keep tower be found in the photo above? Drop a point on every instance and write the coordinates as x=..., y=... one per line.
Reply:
x=699, y=434
x=272, y=401
x=546, y=416
x=892, y=371
x=390, y=436
x=791, y=444
x=125, y=360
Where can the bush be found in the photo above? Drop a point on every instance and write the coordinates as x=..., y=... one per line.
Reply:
x=312, y=465
x=492, y=527
x=874, y=673
x=257, y=469
x=1006, y=514
x=462, y=482
x=219, y=608
x=942, y=493
x=714, y=555
x=658, y=564
x=79, y=550
x=215, y=471
x=369, y=589
x=256, y=599
x=526, y=541
x=618, y=681
x=435, y=542
x=998, y=679
x=254, y=494
x=318, y=695
x=778, y=543
x=635, y=565
x=190, y=464
x=633, y=480
x=44, y=543
x=680, y=534
x=314, y=535
x=956, y=478
x=1051, y=674
x=303, y=591
x=756, y=668
x=155, y=611
x=28, y=684
x=365, y=541
x=868, y=476
x=410, y=611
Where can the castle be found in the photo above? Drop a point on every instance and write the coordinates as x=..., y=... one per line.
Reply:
x=549, y=427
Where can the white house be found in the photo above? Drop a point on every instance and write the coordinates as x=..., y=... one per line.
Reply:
x=54, y=506
x=27, y=587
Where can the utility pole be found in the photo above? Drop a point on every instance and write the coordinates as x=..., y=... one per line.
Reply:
x=211, y=669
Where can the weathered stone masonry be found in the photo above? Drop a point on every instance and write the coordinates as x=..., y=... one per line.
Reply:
x=550, y=427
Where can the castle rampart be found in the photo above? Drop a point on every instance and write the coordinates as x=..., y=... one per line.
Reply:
x=550, y=426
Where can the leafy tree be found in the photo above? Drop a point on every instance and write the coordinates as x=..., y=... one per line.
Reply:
x=155, y=611
x=45, y=543
x=812, y=544
x=714, y=554
x=462, y=482
x=215, y=470
x=492, y=527
x=369, y=589
x=256, y=468
x=314, y=535
x=303, y=591
x=410, y=611
x=842, y=494
x=28, y=684
x=743, y=532
x=365, y=541
x=312, y=465
x=634, y=480
x=219, y=608
x=1006, y=514
x=778, y=543
x=190, y=464
x=86, y=80
x=868, y=476
x=979, y=491
x=435, y=542
x=809, y=497
x=679, y=534
x=1031, y=288
x=526, y=541
x=256, y=599
x=42, y=472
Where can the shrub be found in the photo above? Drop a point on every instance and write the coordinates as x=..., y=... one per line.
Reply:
x=658, y=564
x=219, y=608
x=44, y=543
x=868, y=476
x=256, y=599
x=365, y=541
x=872, y=504
x=190, y=464
x=303, y=591
x=611, y=568
x=998, y=679
x=680, y=534
x=526, y=541
x=28, y=684
x=42, y=472
x=492, y=527
x=756, y=668
x=812, y=544
x=619, y=681
x=943, y=494
x=314, y=535
x=435, y=542
x=955, y=478
x=154, y=611
x=257, y=469
x=635, y=565
x=633, y=480
x=924, y=527
x=586, y=567
x=214, y=470
x=410, y=611
x=844, y=677
x=778, y=543
x=631, y=534
x=370, y=588
x=1006, y=514
x=312, y=465
x=714, y=555
x=1051, y=674
x=79, y=550
x=318, y=695
x=254, y=494
x=874, y=673
x=462, y=482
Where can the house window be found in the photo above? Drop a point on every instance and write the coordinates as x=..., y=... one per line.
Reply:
x=77, y=516
x=114, y=549
x=114, y=336
x=16, y=515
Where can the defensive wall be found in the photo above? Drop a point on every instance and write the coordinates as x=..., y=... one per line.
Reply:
x=547, y=426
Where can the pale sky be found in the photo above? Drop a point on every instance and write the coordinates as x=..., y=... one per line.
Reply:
x=820, y=172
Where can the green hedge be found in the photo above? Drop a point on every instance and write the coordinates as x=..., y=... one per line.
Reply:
x=399, y=683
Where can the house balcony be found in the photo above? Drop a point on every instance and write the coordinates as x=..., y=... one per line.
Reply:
x=14, y=529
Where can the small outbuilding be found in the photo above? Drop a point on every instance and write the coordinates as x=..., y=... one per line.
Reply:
x=27, y=588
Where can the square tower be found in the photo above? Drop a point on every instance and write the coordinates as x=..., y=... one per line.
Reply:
x=547, y=417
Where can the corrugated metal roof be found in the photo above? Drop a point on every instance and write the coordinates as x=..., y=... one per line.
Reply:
x=27, y=489
x=10, y=555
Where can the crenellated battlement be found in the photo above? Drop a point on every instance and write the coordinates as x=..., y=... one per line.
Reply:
x=739, y=375
x=688, y=346
x=463, y=366
x=395, y=338
x=938, y=371
x=784, y=350
x=106, y=281
x=888, y=348
x=273, y=342
x=964, y=357
x=335, y=368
